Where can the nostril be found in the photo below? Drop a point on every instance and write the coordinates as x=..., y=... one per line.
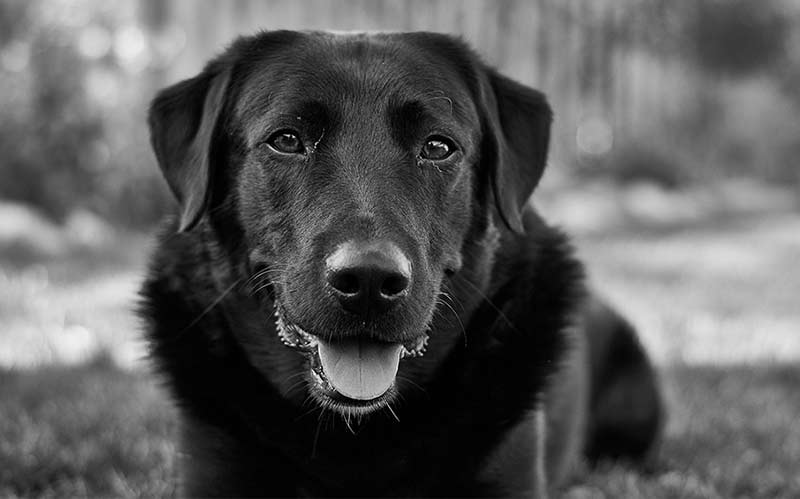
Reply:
x=368, y=278
x=394, y=285
x=345, y=282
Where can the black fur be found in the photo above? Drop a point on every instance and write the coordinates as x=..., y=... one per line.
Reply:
x=498, y=338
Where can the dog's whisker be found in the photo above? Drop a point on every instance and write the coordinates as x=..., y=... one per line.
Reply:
x=260, y=288
x=490, y=302
x=309, y=397
x=453, y=298
x=273, y=270
x=394, y=414
x=268, y=272
x=295, y=376
x=263, y=286
x=296, y=383
x=314, y=408
x=439, y=94
x=264, y=272
x=410, y=382
x=265, y=280
x=330, y=421
x=320, y=419
x=210, y=307
x=256, y=276
x=347, y=422
x=458, y=318
x=453, y=302
x=294, y=386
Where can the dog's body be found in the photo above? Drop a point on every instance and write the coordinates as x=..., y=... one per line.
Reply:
x=370, y=193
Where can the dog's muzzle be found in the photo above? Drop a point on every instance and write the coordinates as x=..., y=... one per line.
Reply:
x=355, y=369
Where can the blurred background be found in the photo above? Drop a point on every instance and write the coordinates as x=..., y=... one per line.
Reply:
x=675, y=164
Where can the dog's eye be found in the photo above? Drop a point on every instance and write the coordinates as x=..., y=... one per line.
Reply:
x=287, y=142
x=436, y=148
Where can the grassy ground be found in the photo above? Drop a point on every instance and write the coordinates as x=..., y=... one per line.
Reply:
x=716, y=306
x=96, y=430
x=88, y=430
x=733, y=433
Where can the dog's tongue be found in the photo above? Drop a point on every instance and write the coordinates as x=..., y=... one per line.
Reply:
x=360, y=369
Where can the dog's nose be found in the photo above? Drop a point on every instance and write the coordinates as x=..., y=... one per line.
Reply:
x=368, y=277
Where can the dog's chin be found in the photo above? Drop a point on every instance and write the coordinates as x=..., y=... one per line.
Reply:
x=352, y=377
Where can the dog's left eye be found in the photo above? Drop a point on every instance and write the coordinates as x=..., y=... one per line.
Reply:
x=437, y=148
x=287, y=142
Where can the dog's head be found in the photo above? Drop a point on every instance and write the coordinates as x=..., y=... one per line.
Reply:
x=349, y=175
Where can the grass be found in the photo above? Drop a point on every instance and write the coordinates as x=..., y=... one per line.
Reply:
x=89, y=430
x=733, y=433
x=716, y=306
x=96, y=430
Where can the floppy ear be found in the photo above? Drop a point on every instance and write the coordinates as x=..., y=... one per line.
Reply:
x=518, y=121
x=182, y=120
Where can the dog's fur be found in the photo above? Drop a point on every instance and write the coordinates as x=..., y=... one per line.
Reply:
x=524, y=372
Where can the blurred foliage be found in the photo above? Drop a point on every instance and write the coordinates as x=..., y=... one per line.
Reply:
x=674, y=92
x=637, y=162
x=735, y=37
x=730, y=112
x=73, y=132
x=44, y=161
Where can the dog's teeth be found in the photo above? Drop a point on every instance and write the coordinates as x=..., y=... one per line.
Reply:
x=418, y=350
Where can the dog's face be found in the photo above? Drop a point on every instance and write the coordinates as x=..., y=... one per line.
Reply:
x=348, y=174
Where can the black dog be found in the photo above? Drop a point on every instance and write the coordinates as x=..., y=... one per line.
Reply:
x=356, y=298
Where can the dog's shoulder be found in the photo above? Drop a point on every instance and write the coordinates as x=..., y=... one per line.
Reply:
x=541, y=255
x=178, y=259
x=184, y=278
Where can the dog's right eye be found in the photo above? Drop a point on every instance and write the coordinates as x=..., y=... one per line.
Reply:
x=287, y=142
x=437, y=148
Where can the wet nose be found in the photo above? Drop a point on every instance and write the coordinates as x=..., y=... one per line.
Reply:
x=369, y=277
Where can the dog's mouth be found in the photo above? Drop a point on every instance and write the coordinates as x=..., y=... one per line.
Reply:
x=353, y=375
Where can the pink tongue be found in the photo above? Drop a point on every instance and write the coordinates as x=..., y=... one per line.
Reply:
x=360, y=369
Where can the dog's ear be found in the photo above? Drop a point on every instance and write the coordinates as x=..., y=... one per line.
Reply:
x=183, y=119
x=517, y=133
